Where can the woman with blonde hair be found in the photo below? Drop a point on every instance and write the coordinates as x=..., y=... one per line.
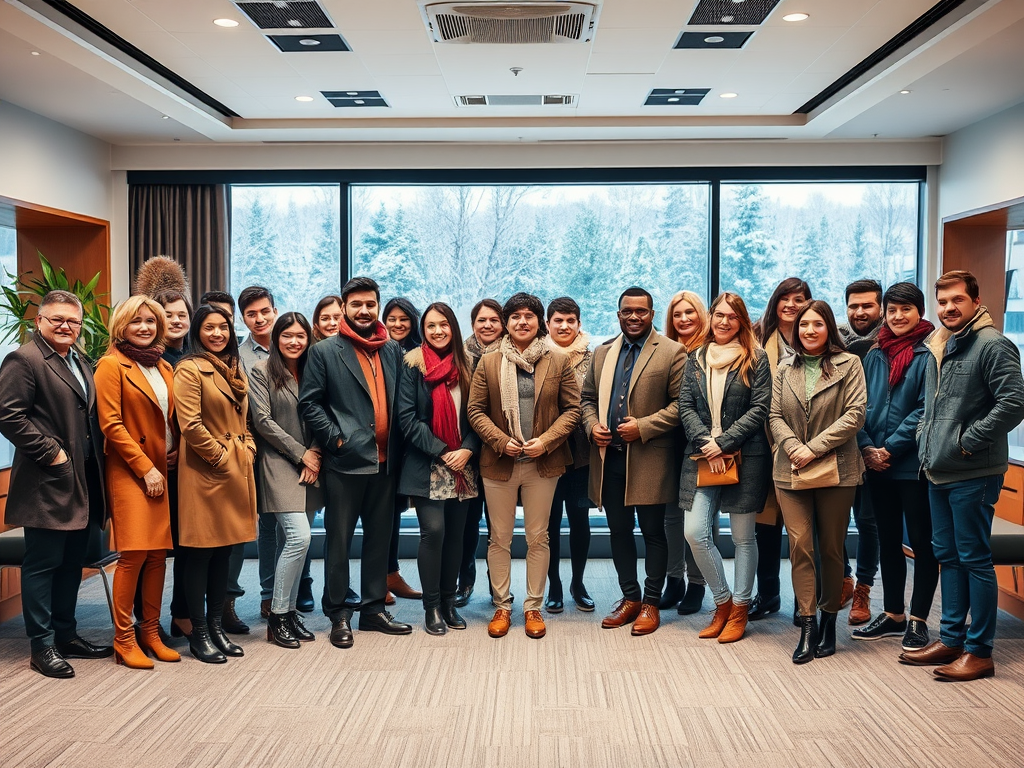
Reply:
x=135, y=404
x=686, y=322
x=723, y=407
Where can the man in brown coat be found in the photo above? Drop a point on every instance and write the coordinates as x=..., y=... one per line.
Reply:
x=48, y=412
x=630, y=408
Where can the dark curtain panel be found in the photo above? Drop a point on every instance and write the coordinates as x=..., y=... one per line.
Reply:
x=189, y=223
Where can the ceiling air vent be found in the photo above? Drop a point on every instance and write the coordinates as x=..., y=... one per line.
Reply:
x=676, y=97
x=517, y=100
x=746, y=12
x=275, y=14
x=500, y=23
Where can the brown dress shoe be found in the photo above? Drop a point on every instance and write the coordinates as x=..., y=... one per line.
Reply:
x=860, y=611
x=936, y=653
x=265, y=608
x=400, y=587
x=848, y=590
x=501, y=622
x=648, y=620
x=534, y=624
x=623, y=612
x=736, y=625
x=389, y=599
x=718, y=621
x=967, y=667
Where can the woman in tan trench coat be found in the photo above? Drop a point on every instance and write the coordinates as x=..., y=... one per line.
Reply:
x=216, y=488
x=135, y=406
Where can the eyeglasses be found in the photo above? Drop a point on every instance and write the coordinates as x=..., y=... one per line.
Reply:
x=57, y=322
x=719, y=317
x=639, y=313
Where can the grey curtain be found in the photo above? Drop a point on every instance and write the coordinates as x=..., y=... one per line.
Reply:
x=189, y=223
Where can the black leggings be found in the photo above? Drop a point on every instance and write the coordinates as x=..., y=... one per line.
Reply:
x=441, y=527
x=401, y=504
x=895, y=501
x=206, y=580
x=570, y=494
x=769, y=557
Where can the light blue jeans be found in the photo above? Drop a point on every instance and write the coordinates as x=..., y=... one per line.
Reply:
x=698, y=524
x=288, y=572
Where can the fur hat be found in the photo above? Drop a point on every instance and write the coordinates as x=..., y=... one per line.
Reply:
x=160, y=274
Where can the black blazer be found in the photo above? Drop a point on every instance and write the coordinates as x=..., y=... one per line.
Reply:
x=42, y=410
x=334, y=400
x=422, y=446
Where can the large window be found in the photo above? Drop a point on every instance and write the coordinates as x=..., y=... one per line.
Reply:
x=1013, y=319
x=8, y=269
x=829, y=234
x=459, y=244
x=287, y=239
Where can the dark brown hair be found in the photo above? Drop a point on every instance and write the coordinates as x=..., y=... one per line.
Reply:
x=950, y=279
x=455, y=346
x=833, y=346
x=277, y=371
x=769, y=321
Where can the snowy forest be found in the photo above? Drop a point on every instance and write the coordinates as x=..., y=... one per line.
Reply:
x=461, y=243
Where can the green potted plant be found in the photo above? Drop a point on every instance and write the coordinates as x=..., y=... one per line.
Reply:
x=21, y=298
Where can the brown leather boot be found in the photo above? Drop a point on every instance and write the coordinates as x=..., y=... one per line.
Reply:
x=860, y=611
x=736, y=625
x=648, y=620
x=265, y=608
x=847, y=594
x=126, y=650
x=500, y=624
x=148, y=637
x=623, y=612
x=535, y=625
x=722, y=613
x=400, y=587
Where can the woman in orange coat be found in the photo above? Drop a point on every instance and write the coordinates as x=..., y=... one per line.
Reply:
x=135, y=403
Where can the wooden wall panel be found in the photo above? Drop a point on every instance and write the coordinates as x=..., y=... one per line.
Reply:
x=980, y=248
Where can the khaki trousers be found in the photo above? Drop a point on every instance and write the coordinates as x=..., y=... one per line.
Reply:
x=822, y=515
x=537, y=493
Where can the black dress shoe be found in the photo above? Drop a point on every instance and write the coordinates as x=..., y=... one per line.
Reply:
x=352, y=600
x=554, y=605
x=826, y=636
x=433, y=623
x=50, y=663
x=462, y=595
x=305, y=603
x=450, y=615
x=692, y=601
x=582, y=598
x=808, y=640
x=764, y=606
x=80, y=648
x=341, y=632
x=383, y=622
x=675, y=588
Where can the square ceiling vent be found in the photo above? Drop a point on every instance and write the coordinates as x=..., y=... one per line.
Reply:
x=274, y=14
x=518, y=100
x=309, y=43
x=676, y=97
x=693, y=40
x=355, y=99
x=515, y=22
x=748, y=12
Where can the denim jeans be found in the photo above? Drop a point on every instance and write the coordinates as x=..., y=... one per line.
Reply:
x=961, y=539
x=698, y=525
x=269, y=546
x=681, y=562
x=289, y=565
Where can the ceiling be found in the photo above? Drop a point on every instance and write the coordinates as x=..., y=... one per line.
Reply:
x=962, y=69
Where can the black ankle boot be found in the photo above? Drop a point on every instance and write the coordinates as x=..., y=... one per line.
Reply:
x=220, y=639
x=674, y=590
x=692, y=601
x=763, y=605
x=808, y=640
x=826, y=635
x=201, y=646
x=433, y=622
x=451, y=615
x=302, y=634
x=279, y=631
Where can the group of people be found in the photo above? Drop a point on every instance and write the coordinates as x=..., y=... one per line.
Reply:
x=194, y=442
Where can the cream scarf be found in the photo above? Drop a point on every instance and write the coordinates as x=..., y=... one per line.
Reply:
x=577, y=352
x=511, y=358
x=719, y=360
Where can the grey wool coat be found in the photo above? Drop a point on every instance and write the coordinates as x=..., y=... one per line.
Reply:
x=282, y=438
x=744, y=415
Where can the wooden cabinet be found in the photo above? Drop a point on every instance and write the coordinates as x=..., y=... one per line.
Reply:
x=1010, y=506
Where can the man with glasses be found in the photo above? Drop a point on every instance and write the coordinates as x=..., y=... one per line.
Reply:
x=630, y=407
x=48, y=412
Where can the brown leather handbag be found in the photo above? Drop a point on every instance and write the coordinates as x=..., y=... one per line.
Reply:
x=820, y=473
x=707, y=478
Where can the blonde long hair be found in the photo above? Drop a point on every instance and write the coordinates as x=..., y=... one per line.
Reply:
x=703, y=320
x=127, y=310
x=745, y=335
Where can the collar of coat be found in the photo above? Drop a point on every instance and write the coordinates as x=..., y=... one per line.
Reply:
x=794, y=375
x=137, y=378
x=944, y=341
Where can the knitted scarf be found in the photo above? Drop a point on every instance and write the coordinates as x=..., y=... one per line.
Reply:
x=367, y=346
x=512, y=358
x=148, y=357
x=719, y=358
x=577, y=353
x=476, y=350
x=441, y=374
x=232, y=375
x=900, y=349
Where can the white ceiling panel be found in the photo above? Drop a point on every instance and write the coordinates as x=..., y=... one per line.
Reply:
x=625, y=41
x=625, y=63
x=251, y=66
x=557, y=68
x=416, y=65
x=330, y=67
x=377, y=14
x=391, y=42
x=416, y=95
x=631, y=14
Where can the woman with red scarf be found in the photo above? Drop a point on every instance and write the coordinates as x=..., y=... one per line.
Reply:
x=437, y=470
x=895, y=370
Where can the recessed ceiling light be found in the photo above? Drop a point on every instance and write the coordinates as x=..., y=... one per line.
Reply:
x=359, y=101
x=796, y=17
x=727, y=95
x=727, y=19
x=714, y=39
x=303, y=98
x=308, y=41
x=294, y=23
x=35, y=53
x=904, y=92
x=351, y=93
x=225, y=22
x=738, y=1
x=164, y=117
x=672, y=98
